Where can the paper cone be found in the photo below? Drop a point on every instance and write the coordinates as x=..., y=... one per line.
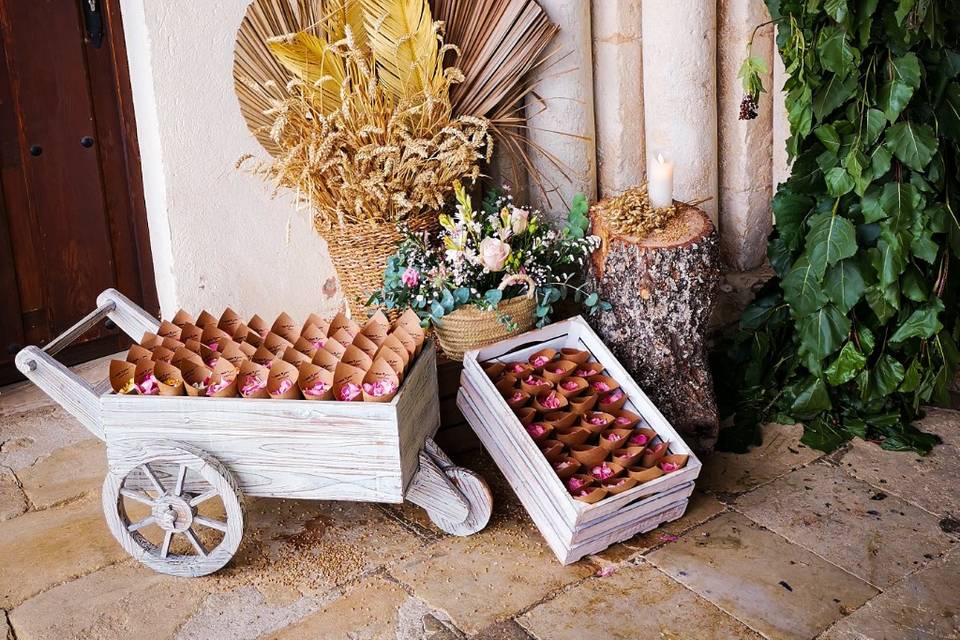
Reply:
x=672, y=462
x=146, y=382
x=335, y=347
x=539, y=431
x=342, y=322
x=551, y=450
x=208, y=355
x=507, y=385
x=305, y=347
x=410, y=323
x=391, y=357
x=205, y=320
x=314, y=336
x=494, y=370
x=241, y=332
x=282, y=381
x=138, y=354
x=583, y=404
x=516, y=398
x=525, y=415
x=223, y=381
x=168, y=330
x=381, y=383
x=642, y=437
x=365, y=344
x=605, y=470
x=234, y=355
x=295, y=358
x=596, y=421
x=121, y=377
x=540, y=358
x=612, y=401
x=162, y=354
x=247, y=349
x=641, y=474
x=404, y=338
x=275, y=343
x=194, y=346
x=196, y=378
x=214, y=338
x=181, y=318
x=548, y=401
x=653, y=454
x=574, y=355
x=534, y=384
x=393, y=343
x=347, y=383
x=264, y=358
x=190, y=332
x=561, y=419
x=519, y=369
x=286, y=328
x=588, y=369
x=376, y=328
x=628, y=456
x=252, y=380
x=229, y=321
x=171, y=343
x=571, y=387
x=624, y=419
x=558, y=370
x=259, y=326
x=182, y=356
x=618, y=484
x=323, y=324
x=572, y=435
x=588, y=454
x=325, y=360
x=355, y=357
x=150, y=340
x=565, y=466
x=579, y=482
x=316, y=383
x=613, y=439
x=590, y=495
x=171, y=382
x=602, y=384
x=253, y=338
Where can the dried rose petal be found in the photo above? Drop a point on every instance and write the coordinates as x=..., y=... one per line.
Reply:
x=613, y=396
x=316, y=390
x=597, y=420
x=600, y=386
x=539, y=361
x=552, y=401
x=667, y=467
x=614, y=437
x=623, y=420
x=569, y=385
x=575, y=483
x=639, y=439
x=536, y=429
x=583, y=373
x=601, y=472
x=252, y=384
x=380, y=388
x=349, y=391
x=517, y=368
x=517, y=396
x=559, y=371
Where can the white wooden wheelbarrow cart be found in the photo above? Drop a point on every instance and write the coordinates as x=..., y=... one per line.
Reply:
x=179, y=467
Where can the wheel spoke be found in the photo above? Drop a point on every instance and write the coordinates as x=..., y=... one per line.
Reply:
x=181, y=476
x=136, y=526
x=167, y=539
x=137, y=496
x=153, y=479
x=203, y=497
x=195, y=541
x=211, y=523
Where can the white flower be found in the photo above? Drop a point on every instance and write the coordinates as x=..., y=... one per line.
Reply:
x=494, y=253
x=518, y=220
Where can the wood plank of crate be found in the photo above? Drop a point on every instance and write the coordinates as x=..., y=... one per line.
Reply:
x=417, y=410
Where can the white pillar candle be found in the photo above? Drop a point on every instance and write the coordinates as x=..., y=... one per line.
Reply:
x=660, y=182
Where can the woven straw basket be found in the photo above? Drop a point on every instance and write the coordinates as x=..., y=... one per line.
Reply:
x=471, y=328
x=360, y=254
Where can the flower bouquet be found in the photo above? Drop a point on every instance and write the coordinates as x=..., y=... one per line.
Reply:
x=491, y=272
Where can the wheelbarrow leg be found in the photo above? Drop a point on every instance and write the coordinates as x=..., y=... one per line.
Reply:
x=456, y=499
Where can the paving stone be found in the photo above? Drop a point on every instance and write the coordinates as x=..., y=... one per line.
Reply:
x=26, y=396
x=28, y=436
x=369, y=611
x=243, y=613
x=927, y=481
x=314, y=546
x=507, y=630
x=41, y=549
x=65, y=474
x=921, y=607
x=5, y=627
x=848, y=522
x=758, y=577
x=633, y=602
x=116, y=603
x=13, y=502
x=488, y=577
x=780, y=453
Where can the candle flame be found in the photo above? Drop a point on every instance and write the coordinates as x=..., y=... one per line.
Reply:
x=660, y=158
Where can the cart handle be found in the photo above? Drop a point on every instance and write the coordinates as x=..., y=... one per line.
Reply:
x=73, y=393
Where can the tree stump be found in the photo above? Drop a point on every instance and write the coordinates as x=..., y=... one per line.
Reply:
x=662, y=288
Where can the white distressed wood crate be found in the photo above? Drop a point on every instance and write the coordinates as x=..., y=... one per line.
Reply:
x=571, y=528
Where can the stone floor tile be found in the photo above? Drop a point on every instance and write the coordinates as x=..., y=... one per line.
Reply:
x=777, y=588
x=13, y=502
x=28, y=436
x=116, y=603
x=245, y=613
x=923, y=606
x=314, y=546
x=26, y=396
x=927, y=481
x=377, y=609
x=636, y=601
x=848, y=522
x=43, y=548
x=507, y=630
x=780, y=453
x=488, y=577
x=5, y=629
x=65, y=474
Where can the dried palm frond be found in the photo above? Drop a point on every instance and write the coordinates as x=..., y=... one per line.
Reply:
x=403, y=38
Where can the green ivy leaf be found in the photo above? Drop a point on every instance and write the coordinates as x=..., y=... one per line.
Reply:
x=846, y=366
x=836, y=52
x=911, y=379
x=823, y=434
x=912, y=144
x=790, y=210
x=922, y=323
x=866, y=339
x=887, y=375
x=894, y=96
x=876, y=122
x=883, y=301
x=827, y=134
x=811, y=398
x=833, y=94
x=900, y=201
x=923, y=246
x=831, y=239
x=801, y=288
x=880, y=160
x=948, y=112
x=889, y=259
x=913, y=285
x=844, y=284
x=836, y=9
x=822, y=333
x=839, y=182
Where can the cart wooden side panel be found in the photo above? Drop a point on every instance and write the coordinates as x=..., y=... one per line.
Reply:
x=418, y=410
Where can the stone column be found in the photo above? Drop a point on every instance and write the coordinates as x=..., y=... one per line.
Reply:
x=562, y=103
x=781, y=126
x=618, y=95
x=680, y=94
x=746, y=148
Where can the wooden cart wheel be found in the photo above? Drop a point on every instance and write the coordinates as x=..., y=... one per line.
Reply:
x=171, y=481
x=474, y=488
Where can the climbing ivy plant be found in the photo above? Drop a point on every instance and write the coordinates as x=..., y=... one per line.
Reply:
x=860, y=326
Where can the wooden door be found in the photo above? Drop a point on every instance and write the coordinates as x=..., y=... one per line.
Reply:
x=72, y=216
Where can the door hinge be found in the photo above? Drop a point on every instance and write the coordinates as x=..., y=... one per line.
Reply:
x=93, y=21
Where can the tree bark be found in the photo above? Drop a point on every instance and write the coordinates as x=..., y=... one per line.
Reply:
x=662, y=288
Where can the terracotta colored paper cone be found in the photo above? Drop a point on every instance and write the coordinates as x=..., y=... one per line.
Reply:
x=234, y=355
x=394, y=343
x=169, y=330
x=561, y=419
x=282, y=381
x=604, y=470
x=583, y=404
x=506, y=384
x=342, y=322
x=572, y=386
x=138, y=354
x=171, y=381
x=376, y=329
x=305, y=347
x=618, y=485
x=539, y=431
x=275, y=344
x=534, y=384
x=254, y=338
x=170, y=343
x=494, y=370
x=316, y=383
x=410, y=323
x=229, y=321
x=574, y=355
x=540, y=358
x=252, y=380
x=209, y=356
x=516, y=398
x=551, y=450
x=285, y=327
x=355, y=357
x=335, y=347
x=322, y=324
x=602, y=384
x=525, y=415
x=588, y=369
x=247, y=349
x=181, y=318
x=404, y=338
x=214, y=338
x=672, y=462
x=653, y=454
x=150, y=340
x=314, y=335
x=295, y=358
x=196, y=378
x=194, y=346
x=182, y=356
x=579, y=481
x=121, y=377
x=624, y=419
x=572, y=435
x=381, y=383
x=264, y=357
x=325, y=360
x=365, y=344
x=162, y=354
x=205, y=320
x=519, y=369
x=548, y=401
x=223, y=380
x=565, y=466
x=259, y=326
x=642, y=437
x=612, y=401
x=558, y=370
x=190, y=332
x=588, y=454
x=628, y=456
x=241, y=333
x=641, y=474
x=613, y=439
x=145, y=380
x=342, y=336
x=596, y=421
x=592, y=496
x=347, y=383
x=391, y=357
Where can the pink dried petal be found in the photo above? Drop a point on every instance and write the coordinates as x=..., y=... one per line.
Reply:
x=668, y=537
x=583, y=373
x=536, y=429
x=623, y=420
x=251, y=385
x=614, y=437
x=600, y=386
x=597, y=420
x=218, y=387
x=639, y=439
x=575, y=483
x=601, y=472
x=552, y=401
x=613, y=396
x=667, y=467
x=316, y=390
x=559, y=371
x=349, y=391
x=318, y=344
x=379, y=388
x=607, y=571
x=517, y=368
x=517, y=396
x=569, y=385
x=539, y=361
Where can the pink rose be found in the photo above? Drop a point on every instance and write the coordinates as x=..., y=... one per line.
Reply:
x=518, y=220
x=494, y=253
x=410, y=277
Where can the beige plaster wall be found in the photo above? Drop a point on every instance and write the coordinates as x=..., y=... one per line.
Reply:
x=217, y=237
